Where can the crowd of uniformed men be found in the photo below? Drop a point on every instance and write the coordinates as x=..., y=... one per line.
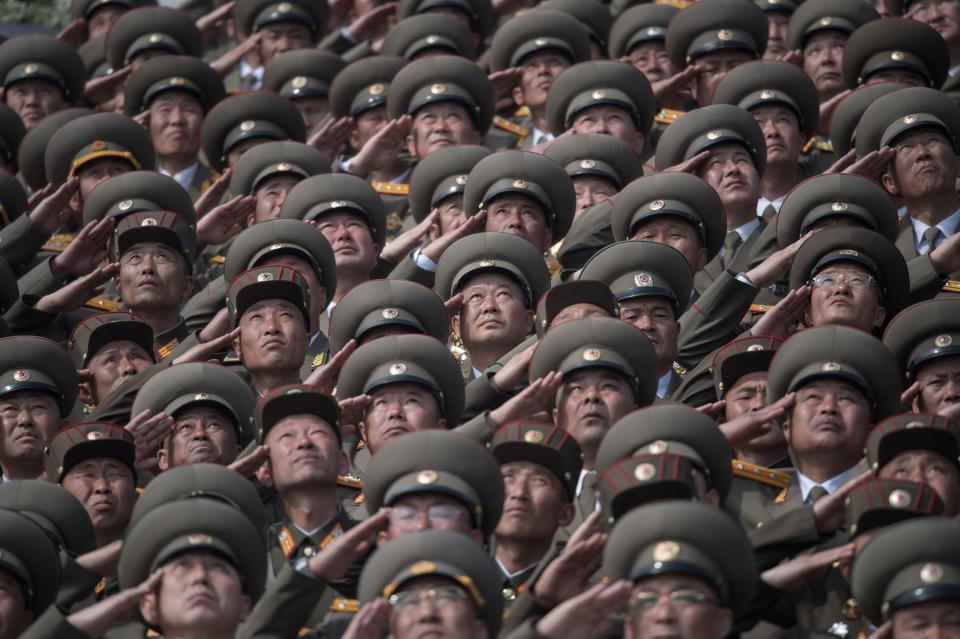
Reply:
x=482, y=318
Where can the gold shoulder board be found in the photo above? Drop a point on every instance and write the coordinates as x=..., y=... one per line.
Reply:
x=952, y=286
x=759, y=308
x=102, y=304
x=345, y=605
x=510, y=127
x=762, y=474
x=668, y=116
x=350, y=482
x=58, y=243
x=218, y=259
x=391, y=188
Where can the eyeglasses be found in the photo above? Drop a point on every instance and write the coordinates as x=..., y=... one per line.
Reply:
x=647, y=599
x=832, y=280
x=441, y=596
x=438, y=514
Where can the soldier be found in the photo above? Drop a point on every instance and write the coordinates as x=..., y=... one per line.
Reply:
x=243, y=121
x=435, y=480
x=110, y=348
x=846, y=117
x=35, y=557
x=921, y=126
x=778, y=14
x=95, y=462
x=593, y=15
x=500, y=277
x=304, y=77
x=718, y=38
x=149, y=32
x=897, y=50
x=271, y=307
x=41, y=76
x=210, y=410
x=176, y=92
x=909, y=586
x=542, y=44
x=477, y=16
x=429, y=34
x=33, y=146
x=784, y=102
x=598, y=165
x=938, y=17
x=99, y=15
x=603, y=97
x=351, y=216
x=39, y=394
x=438, y=182
x=919, y=448
x=539, y=464
x=283, y=27
x=734, y=168
x=652, y=284
x=10, y=138
x=924, y=341
x=691, y=554
x=460, y=582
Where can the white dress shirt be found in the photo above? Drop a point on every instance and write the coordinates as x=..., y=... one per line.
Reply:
x=763, y=202
x=831, y=485
x=184, y=177
x=947, y=226
x=664, y=384
x=247, y=70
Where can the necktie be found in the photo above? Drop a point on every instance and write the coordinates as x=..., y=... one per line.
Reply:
x=587, y=499
x=930, y=236
x=768, y=212
x=816, y=493
x=730, y=245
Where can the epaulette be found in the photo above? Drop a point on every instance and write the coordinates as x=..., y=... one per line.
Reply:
x=668, y=116
x=760, y=308
x=818, y=143
x=358, y=500
x=345, y=605
x=206, y=184
x=782, y=497
x=554, y=250
x=510, y=127
x=317, y=360
x=522, y=112
x=139, y=490
x=101, y=586
x=679, y=370
x=390, y=188
x=951, y=286
x=287, y=544
x=217, y=259
x=152, y=633
x=679, y=4
x=553, y=265
x=350, y=482
x=762, y=474
x=102, y=304
x=165, y=350
x=58, y=243
x=458, y=351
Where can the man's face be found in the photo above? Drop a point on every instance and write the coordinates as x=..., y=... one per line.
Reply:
x=535, y=503
x=654, y=316
x=93, y=174
x=450, y=614
x=270, y=196
x=427, y=511
x=318, y=292
x=540, y=71
x=153, y=275
x=845, y=300
x=749, y=393
x=928, y=467
x=590, y=401
x=717, y=64
x=609, y=120
x=925, y=164
x=281, y=37
x=114, y=364
x=591, y=190
x=685, y=608
x=304, y=451
x=398, y=409
x=778, y=25
x=829, y=415
x=273, y=337
x=651, y=58
x=942, y=15
x=439, y=125
x=312, y=110
x=102, y=19
x=940, y=619
x=200, y=590
x=732, y=174
x=14, y=616
x=29, y=419
x=522, y=216
x=823, y=62
x=367, y=124
x=781, y=131
x=33, y=100
x=451, y=213
x=493, y=312
x=106, y=488
x=676, y=232
x=351, y=240
x=906, y=77
x=939, y=384
x=175, y=121
x=201, y=435
x=237, y=150
x=581, y=310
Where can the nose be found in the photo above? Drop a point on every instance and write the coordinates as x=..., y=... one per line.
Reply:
x=24, y=417
x=829, y=404
x=199, y=432
x=127, y=368
x=759, y=401
x=101, y=485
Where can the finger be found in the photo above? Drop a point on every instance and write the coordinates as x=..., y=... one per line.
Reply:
x=453, y=304
x=853, y=484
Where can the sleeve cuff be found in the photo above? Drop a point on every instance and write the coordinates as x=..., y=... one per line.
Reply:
x=422, y=261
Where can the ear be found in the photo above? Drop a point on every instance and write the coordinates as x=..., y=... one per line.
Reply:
x=251, y=219
x=86, y=394
x=344, y=463
x=265, y=474
x=362, y=427
x=712, y=497
x=889, y=183
x=566, y=514
x=549, y=240
x=879, y=316
x=530, y=320
x=236, y=346
x=353, y=137
x=441, y=424
x=724, y=622
x=246, y=605
x=785, y=427
x=455, y=326
x=188, y=284
x=411, y=141
x=701, y=259
x=148, y=608
x=518, y=95
x=163, y=459
x=640, y=141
